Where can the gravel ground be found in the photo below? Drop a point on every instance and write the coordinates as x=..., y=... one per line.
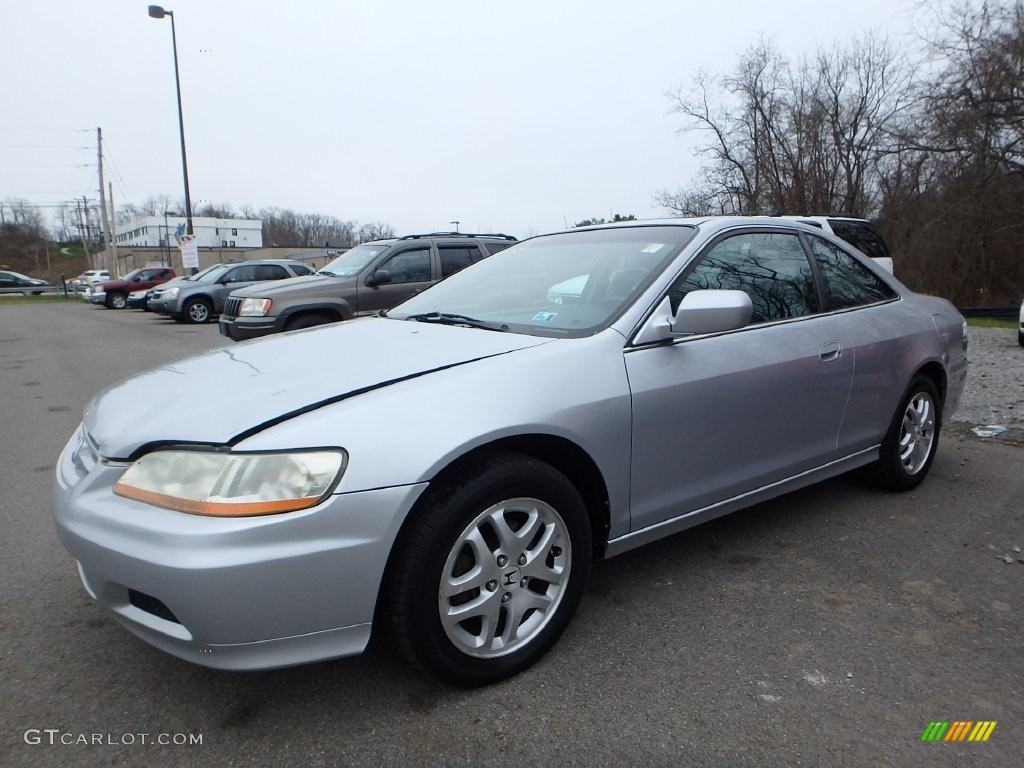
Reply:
x=994, y=393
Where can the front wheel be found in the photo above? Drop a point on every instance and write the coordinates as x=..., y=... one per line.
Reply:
x=909, y=446
x=198, y=311
x=308, y=321
x=117, y=301
x=490, y=572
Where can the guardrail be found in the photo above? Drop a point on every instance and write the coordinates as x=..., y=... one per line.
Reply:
x=30, y=289
x=1001, y=313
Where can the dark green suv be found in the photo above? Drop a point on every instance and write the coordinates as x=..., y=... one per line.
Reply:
x=365, y=279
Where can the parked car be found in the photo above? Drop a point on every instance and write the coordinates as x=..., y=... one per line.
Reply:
x=1020, y=326
x=30, y=286
x=139, y=299
x=202, y=297
x=81, y=283
x=451, y=468
x=113, y=294
x=363, y=280
x=860, y=233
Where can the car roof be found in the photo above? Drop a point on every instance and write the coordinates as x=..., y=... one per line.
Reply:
x=718, y=222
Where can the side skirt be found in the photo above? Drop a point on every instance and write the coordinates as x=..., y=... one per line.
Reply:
x=651, y=533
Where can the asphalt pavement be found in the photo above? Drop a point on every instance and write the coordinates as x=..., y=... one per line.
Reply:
x=825, y=628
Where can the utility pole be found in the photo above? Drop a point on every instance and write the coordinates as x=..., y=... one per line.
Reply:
x=112, y=229
x=105, y=221
x=83, y=231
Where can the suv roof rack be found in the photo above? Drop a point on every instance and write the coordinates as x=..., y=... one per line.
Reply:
x=496, y=235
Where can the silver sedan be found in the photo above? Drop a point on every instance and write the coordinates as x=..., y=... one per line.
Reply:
x=447, y=472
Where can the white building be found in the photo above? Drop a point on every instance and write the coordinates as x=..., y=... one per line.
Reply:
x=163, y=231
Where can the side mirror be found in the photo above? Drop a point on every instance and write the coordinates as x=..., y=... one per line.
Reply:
x=711, y=311
x=380, y=277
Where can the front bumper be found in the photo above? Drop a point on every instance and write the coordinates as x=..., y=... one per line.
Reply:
x=96, y=297
x=243, y=593
x=161, y=306
x=245, y=328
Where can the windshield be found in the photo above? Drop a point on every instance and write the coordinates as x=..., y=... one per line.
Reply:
x=202, y=275
x=568, y=284
x=352, y=261
x=212, y=275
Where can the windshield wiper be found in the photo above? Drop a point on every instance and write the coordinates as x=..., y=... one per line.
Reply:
x=450, y=318
x=329, y=274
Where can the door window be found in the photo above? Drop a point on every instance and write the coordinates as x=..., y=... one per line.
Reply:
x=771, y=267
x=411, y=266
x=271, y=272
x=456, y=257
x=244, y=274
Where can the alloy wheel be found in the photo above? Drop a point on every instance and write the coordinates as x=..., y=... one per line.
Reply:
x=917, y=433
x=505, y=577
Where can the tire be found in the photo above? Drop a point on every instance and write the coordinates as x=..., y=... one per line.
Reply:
x=116, y=300
x=308, y=321
x=913, y=437
x=1020, y=338
x=508, y=544
x=197, y=311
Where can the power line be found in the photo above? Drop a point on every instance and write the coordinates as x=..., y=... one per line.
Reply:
x=107, y=154
x=46, y=162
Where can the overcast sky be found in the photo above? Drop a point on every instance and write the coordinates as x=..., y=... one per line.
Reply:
x=519, y=117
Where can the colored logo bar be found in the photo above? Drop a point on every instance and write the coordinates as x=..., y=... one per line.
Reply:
x=958, y=730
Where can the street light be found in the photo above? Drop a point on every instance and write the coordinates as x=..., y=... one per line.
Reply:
x=158, y=13
x=456, y=223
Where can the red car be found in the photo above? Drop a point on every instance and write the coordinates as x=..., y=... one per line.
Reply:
x=113, y=294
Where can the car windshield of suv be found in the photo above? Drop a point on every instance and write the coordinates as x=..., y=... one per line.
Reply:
x=567, y=284
x=201, y=276
x=352, y=261
x=213, y=274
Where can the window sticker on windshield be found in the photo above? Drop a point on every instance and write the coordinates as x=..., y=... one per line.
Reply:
x=544, y=317
x=653, y=248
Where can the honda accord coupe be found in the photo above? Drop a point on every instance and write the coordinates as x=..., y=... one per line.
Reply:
x=445, y=473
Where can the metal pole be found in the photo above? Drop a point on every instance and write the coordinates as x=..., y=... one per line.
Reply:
x=108, y=259
x=113, y=222
x=181, y=129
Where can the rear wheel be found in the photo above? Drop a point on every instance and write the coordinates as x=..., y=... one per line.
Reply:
x=909, y=446
x=490, y=572
x=198, y=311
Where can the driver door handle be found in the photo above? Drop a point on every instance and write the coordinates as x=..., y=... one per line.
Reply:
x=831, y=351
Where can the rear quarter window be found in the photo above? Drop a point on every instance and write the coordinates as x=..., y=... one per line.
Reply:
x=848, y=283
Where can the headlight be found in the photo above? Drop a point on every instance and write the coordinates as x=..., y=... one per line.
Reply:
x=136, y=294
x=254, y=307
x=170, y=293
x=232, y=484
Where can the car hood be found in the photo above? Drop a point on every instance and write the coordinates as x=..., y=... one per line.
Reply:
x=229, y=393
x=172, y=282
x=304, y=284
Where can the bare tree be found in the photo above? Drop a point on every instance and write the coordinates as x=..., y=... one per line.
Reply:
x=376, y=230
x=804, y=138
x=956, y=194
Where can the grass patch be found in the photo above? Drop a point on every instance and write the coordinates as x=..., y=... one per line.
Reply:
x=991, y=322
x=46, y=298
